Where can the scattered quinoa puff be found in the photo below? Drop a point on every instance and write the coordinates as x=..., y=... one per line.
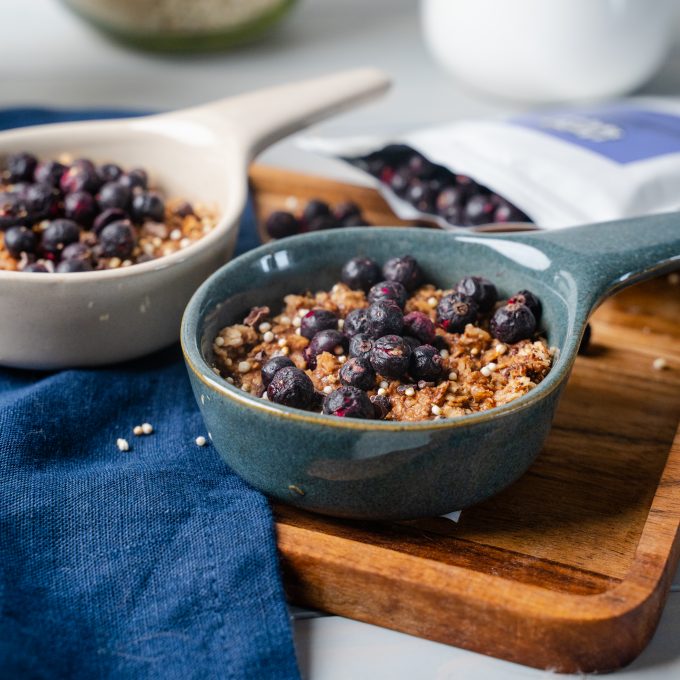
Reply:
x=478, y=371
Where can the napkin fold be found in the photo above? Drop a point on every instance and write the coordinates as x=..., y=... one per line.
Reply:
x=158, y=562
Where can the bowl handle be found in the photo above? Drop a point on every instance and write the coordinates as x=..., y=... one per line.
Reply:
x=613, y=255
x=260, y=118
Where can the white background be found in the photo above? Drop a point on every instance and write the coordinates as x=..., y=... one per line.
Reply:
x=49, y=58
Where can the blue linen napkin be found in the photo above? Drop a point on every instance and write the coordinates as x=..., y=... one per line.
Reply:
x=154, y=563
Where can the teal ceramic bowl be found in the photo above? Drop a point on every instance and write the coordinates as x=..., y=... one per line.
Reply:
x=390, y=470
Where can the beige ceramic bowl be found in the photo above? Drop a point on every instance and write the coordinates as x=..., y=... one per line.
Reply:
x=54, y=321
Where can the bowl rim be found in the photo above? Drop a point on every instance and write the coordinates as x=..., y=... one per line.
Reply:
x=197, y=364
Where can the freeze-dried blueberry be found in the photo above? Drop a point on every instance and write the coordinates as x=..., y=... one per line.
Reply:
x=360, y=346
x=291, y=386
x=355, y=322
x=419, y=325
x=58, y=234
x=479, y=290
x=390, y=356
x=117, y=239
x=506, y=212
x=316, y=320
x=360, y=273
x=106, y=217
x=404, y=270
x=49, y=173
x=388, y=290
x=80, y=207
x=348, y=402
x=20, y=167
x=331, y=341
x=109, y=172
x=382, y=405
x=384, y=318
x=513, y=322
x=314, y=210
x=77, y=251
x=281, y=224
x=455, y=312
x=271, y=367
x=41, y=202
x=135, y=179
x=321, y=223
x=147, y=205
x=80, y=176
x=114, y=195
x=20, y=240
x=526, y=297
x=348, y=214
x=426, y=363
x=35, y=267
x=70, y=266
x=357, y=372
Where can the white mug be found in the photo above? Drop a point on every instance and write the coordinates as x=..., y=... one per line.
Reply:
x=550, y=50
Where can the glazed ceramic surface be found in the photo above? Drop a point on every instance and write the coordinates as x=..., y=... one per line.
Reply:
x=201, y=154
x=382, y=469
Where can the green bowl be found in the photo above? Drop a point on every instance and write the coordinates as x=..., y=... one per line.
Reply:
x=391, y=470
x=125, y=28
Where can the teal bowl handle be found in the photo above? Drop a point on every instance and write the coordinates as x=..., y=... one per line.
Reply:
x=610, y=256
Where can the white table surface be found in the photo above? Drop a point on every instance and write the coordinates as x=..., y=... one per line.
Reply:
x=47, y=57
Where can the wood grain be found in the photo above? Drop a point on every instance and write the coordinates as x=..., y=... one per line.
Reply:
x=567, y=569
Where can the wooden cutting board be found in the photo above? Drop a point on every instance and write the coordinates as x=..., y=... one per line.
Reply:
x=569, y=568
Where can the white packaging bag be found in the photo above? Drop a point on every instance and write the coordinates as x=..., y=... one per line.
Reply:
x=561, y=167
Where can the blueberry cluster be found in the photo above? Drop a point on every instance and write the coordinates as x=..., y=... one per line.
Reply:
x=435, y=190
x=315, y=216
x=76, y=217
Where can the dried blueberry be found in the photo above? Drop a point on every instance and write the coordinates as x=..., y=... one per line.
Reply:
x=411, y=341
x=321, y=223
x=390, y=356
x=526, y=297
x=281, y=224
x=479, y=290
x=360, y=273
x=426, y=363
x=80, y=207
x=316, y=320
x=12, y=209
x=36, y=268
x=109, y=172
x=148, y=205
x=271, y=367
x=355, y=323
x=358, y=373
x=419, y=325
x=70, y=266
x=135, y=179
x=58, y=234
x=384, y=318
x=114, y=195
x=348, y=214
x=117, y=239
x=291, y=386
x=81, y=176
x=106, y=217
x=506, y=212
x=388, y=290
x=331, y=341
x=77, y=251
x=382, y=405
x=314, y=210
x=422, y=195
x=449, y=204
x=360, y=346
x=184, y=209
x=404, y=270
x=348, y=402
x=513, y=322
x=20, y=167
x=41, y=202
x=401, y=180
x=49, y=173
x=20, y=240
x=455, y=312
x=479, y=209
